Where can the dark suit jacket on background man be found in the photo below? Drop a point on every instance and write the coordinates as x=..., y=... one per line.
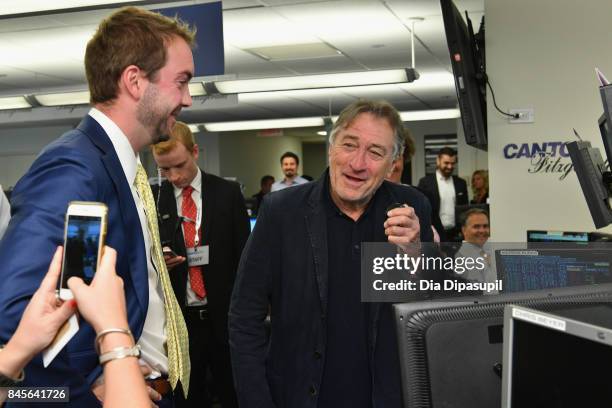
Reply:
x=225, y=228
x=429, y=186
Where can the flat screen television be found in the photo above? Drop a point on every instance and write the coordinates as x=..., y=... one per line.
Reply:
x=555, y=362
x=555, y=266
x=451, y=350
x=467, y=54
x=557, y=236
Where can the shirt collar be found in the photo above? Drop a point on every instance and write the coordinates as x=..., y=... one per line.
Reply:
x=196, y=183
x=332, y=208
x=127, y=157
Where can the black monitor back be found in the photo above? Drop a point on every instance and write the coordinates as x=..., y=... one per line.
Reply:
x=451, y=351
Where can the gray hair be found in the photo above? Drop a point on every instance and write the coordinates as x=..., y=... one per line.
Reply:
x=380, y=109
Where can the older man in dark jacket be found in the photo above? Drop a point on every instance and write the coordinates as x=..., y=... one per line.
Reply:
x=302, y=262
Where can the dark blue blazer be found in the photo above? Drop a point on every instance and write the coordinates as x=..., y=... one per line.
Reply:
x=80, y=165
x=284, y=268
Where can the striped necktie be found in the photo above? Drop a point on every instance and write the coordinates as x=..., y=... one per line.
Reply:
x=177, y=341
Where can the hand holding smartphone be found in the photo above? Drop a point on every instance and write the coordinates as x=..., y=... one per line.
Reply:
x=84, y=234
x=169, y=252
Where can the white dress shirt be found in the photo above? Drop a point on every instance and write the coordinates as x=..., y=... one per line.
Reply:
x=5, y=212
x=153, y=338
x=196, y=195
x=446, y=190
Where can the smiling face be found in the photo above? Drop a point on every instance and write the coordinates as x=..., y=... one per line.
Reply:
x=167, y=92
x=289, y=167
x=359, y=159
x=476, y=229
x=446, y=164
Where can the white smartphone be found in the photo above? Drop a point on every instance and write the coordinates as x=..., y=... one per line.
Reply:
x=167, y=251
x=84, y=233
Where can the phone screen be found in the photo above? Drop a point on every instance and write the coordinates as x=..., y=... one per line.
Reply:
x=81, y=248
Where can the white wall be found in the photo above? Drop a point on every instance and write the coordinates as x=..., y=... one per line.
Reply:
x=542, y=54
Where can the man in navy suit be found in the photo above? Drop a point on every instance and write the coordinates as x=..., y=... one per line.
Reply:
x=301, y=264
x=445, y=191
x=138, y=67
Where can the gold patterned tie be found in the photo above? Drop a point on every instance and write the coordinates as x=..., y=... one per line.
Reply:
x=177, y=341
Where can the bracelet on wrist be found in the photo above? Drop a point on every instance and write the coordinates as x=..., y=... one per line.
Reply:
x=103, y=333
x=119, y=353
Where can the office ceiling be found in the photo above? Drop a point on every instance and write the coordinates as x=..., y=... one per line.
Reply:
x=45, y=52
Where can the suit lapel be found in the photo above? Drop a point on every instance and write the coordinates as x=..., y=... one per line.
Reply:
x=436, y=190
x=208, y=206
x=135, y=249
x=316, y=225
x=387, y=197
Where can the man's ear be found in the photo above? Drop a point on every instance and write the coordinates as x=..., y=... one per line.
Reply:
x=195, y=151
x=132, y=82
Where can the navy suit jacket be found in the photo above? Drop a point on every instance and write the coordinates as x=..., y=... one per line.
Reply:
x=80, y=165
x=284, y=268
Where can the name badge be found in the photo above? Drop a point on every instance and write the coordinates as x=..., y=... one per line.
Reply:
x=197, y=256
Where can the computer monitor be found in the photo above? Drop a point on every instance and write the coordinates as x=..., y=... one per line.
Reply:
x=467, y=55
x=553, y=361
x=557, y=236
x=451, y=351
x=594, y=177
x=605, y=120
x=544, y=268
x=590, y=169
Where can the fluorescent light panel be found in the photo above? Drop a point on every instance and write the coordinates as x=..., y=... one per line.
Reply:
x=14, y=102
x=33, y=6
x=194, y=128
x=196, y=89
x=264, y=124
x=434, y=114
x=64, y=98
x=82, y=97
x=391, y=76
